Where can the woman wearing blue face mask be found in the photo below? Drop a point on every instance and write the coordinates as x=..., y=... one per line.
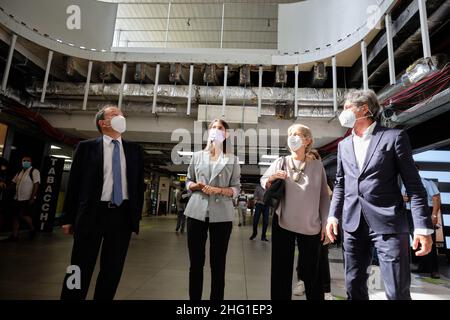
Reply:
x=214, y=178
x=301, y=216
x=26, y=184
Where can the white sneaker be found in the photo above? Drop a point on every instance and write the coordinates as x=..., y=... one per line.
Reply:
x=328, y=296
x=299, y=289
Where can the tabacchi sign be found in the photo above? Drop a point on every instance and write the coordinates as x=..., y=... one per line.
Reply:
x=52, y=173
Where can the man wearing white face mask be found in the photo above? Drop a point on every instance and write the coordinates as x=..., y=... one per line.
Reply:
x=368, y=203
x=103, y=204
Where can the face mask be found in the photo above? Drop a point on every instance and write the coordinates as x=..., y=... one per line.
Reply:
x=119, y=124
x=216, y=135
x=26, y=164
x=347, y=118
x=294, y=143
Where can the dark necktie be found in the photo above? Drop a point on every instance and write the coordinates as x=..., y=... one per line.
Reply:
x=117, y=196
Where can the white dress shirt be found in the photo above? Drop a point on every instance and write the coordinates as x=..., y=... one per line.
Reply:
x=24, y=184
x=108, y=149
x=361, y=144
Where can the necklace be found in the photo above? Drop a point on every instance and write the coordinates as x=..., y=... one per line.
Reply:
x=298, y=173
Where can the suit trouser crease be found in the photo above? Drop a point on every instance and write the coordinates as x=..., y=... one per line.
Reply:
x=393, y=256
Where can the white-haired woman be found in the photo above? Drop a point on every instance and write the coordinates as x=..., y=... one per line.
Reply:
x=301, y=215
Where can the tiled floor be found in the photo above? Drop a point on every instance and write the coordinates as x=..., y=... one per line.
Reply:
x=157, y=267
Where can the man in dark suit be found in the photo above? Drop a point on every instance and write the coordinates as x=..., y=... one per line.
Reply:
x=368, y=202
x=103, y=205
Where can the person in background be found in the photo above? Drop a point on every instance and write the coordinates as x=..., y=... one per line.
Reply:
x=251, y=205
x=6, y=191
x=260, y=208
x=242, y=208
x=213, y=177
x=103, y=205
x=182, y=199
x=26, y=184
x=430, y=262
x=367, y=200
x=300, y=217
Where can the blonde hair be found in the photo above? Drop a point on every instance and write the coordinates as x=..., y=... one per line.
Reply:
x=305, y=131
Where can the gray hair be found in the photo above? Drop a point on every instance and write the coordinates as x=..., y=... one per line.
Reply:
x=100, y=115
x=306, y=132
x=362, y=97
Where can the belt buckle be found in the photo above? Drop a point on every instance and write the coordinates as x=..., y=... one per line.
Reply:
x=111, y=205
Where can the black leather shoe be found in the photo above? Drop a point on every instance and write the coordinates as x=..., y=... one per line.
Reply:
x=264, y=239
x=253, y=236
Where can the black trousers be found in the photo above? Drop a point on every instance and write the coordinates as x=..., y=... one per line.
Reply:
x=181, y=219
x=324, y=269
x=219, y=233
x=112, y=232
x=393, y=256
x=260, y=209
x=283, y=248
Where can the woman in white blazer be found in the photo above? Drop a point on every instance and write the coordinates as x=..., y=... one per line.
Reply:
x=214, y=178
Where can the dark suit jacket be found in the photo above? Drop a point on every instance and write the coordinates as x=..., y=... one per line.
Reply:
x=85, y=185
x=375, y=191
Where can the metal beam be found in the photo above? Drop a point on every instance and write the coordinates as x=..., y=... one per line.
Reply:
x=110, y=72
x=424, y=28
x=47, y=71
x=260, y=74
x=221, y=29
x=167, y=24
x=76, y=67
x=86, y=88
x=224, y=98
x=8, y=62
x=390, y=48
x=122, y=83
x=364, y=65
x=155, y=88
x=191, y=77
x=143, y=73
x=334, y=71
x=296, y=90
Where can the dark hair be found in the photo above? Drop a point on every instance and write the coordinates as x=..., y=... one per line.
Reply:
x=27, y=156
x=226, y=126
x=100, y=115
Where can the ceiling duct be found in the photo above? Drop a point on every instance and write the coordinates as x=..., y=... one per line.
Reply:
x=281, y=75
x=210, y=75
x=244, y=75
x=175, y=73
x=319, y=74
x=233, y=114
x=170, y=94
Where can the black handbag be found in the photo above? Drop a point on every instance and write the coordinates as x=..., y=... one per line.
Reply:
x=275, y=193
